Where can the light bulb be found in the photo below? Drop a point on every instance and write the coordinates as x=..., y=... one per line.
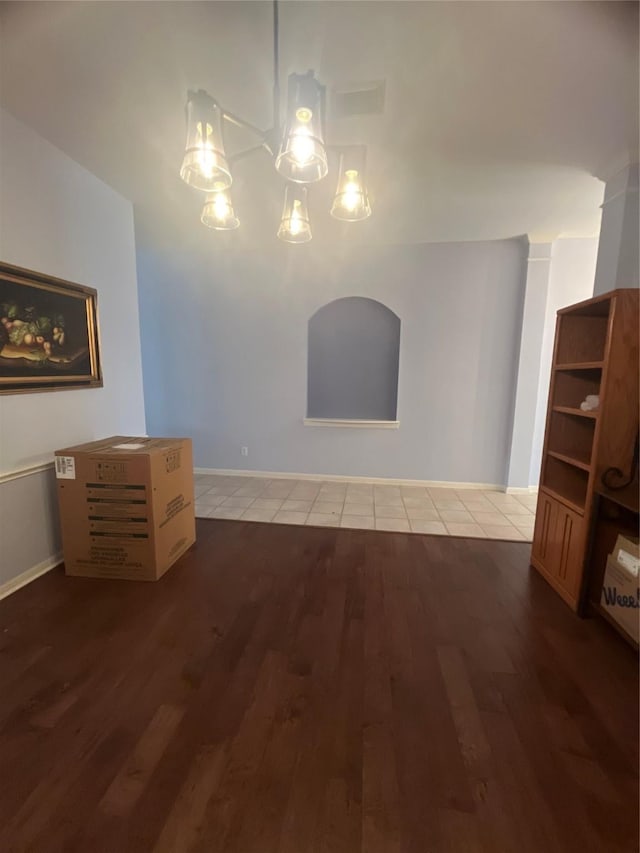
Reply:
x=302, y=146
x=218, y=210
x=295, y=223
x=350, y=202
x=220, y=207
x=351, y=195
x=205, y=151
x=205, y=165
x=301, y=156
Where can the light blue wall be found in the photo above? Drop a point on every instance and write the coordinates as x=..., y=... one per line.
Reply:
x=224, y=338
x=57, y=218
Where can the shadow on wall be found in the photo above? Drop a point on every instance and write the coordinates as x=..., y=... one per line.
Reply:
x=353, y=360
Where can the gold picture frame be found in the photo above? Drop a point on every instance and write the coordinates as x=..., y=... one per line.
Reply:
x=49, y=335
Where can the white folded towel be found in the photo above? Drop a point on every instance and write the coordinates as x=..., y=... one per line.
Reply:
x=590, y=403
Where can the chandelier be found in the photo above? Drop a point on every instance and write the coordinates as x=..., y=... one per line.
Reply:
x=297, y=148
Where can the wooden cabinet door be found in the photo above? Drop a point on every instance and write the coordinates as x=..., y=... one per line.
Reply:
x=569, y=549
x=544, y=547
x=558, y=547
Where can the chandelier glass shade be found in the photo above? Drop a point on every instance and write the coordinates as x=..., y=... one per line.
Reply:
x=351, y=201
x=294, y=225
x=218, y=211
x=302, y=156
x=205, y=164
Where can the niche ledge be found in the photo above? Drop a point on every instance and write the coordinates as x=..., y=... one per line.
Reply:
x=351, y=423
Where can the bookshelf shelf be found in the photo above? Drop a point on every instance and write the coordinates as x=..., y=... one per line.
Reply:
x=581, y=365
x=561, y=498
x=569, y=460
x=578, y=413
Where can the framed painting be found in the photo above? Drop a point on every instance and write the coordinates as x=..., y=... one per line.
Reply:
x=48, y=333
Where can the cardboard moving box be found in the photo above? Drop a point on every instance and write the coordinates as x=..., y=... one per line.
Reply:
x=620, y=589
x=126, y=506
x=627, y=554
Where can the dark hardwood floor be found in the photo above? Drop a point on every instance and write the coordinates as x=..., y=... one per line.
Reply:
x=300, y=690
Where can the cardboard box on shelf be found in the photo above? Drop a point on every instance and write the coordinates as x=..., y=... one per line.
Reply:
x=126, y=506
x=627, y=554
x=620, y=595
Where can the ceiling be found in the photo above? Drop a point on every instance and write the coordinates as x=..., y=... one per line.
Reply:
x=498, y=115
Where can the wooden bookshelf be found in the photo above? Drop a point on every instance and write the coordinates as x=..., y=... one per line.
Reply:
x=595, y=352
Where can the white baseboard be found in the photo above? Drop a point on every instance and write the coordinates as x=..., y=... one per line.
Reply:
x=340, y=478
x=521, y=490
x=30, y=575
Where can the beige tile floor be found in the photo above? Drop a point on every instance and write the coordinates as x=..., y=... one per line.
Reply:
x=417, y=509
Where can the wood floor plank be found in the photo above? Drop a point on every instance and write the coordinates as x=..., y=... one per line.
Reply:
x=260, y=819
x=306, y=690
x=381, y=830
x=301, y=813
x=492, y=827
x=184, y=822
x=226, y=812
x=525, y=800
x=49, y=717
x=124, y=791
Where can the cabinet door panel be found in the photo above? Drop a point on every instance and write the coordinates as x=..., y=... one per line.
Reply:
x=543, y=547
x=570, y=549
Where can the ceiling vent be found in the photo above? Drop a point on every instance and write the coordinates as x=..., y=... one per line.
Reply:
x=358, y=99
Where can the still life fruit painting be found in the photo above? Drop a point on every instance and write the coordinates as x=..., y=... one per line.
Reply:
x=48, y=333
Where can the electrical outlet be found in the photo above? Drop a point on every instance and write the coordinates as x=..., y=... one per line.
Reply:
x=244, y=451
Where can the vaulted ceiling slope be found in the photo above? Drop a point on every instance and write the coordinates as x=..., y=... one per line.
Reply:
x=499, y=116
